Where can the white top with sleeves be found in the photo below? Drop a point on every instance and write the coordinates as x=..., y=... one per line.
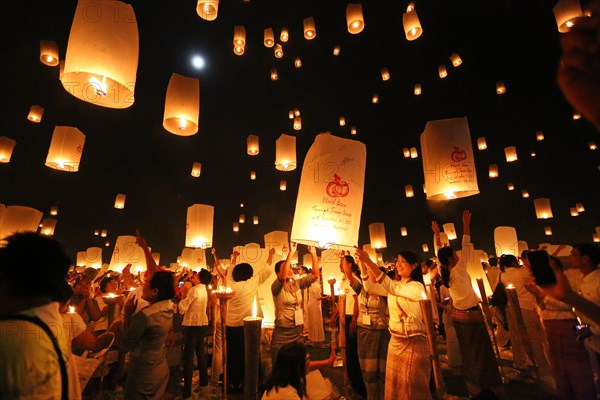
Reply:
x=590, y=289
x=350, y=292
x=518, y=277
x=193, y=307
x=240, y=305
x=461, y=289
x=401, y=296
x=287, y=299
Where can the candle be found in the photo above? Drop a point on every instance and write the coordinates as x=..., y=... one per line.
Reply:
x=71, y=310
x=224, y=294
x=252, y=333
x=515, y=308
x=427, y=312
x=342, y=313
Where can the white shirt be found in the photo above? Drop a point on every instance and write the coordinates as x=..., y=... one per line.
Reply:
x=461, y=288
x=74, y=326
x=518, y=277
x=194, y=306
x=590, y=289
x=240, y=305
x=346, y=288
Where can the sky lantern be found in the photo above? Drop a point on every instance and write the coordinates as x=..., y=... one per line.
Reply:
x=574, y=212
x=353, y=130
x=65, y=149
x=310, y=32
x=199, y=226
x=35, y=113
x=252, y=145
x=342, y=121
x=126, y=251
x=524, y=193
x=282, y=185
x=592, y=145
x=385, y=74
x=196, y=169
x=493, y=171
x=120, y=201
x=236, y=226
x=505, y=240
x=296, y=112
x=297, y=123
x=500, y=87
x=408, y=191
x=576, y=115
x=48, y=226
x=182, y=105
x=377, y=235
x=414, y=153
x=255, y=220
x=411, y=23
x=278, y=51
x=403, y=231
x=284, y=36
x=102, y=54
x=579, y=207
x=449, y=230
x=297, y=62
x=274, y=75
x=406, y=152
x=242, y=219
x=354, y=18
x=156, y=258
x=510, y=153
x=277, y=240
x=442, y=72
x=425, y=247
x=595, y=237
x=208, y=9
x=7, y=145
x=481, y=143
x=239, y=39
x=54, y=210
x=565, y=11
x=252, y=175
x=456, y=60
x=543, y=210
x=49, y=53
x=269, y=38
x=417, y=90
x=19, y=218
x=448, y=163
x=510, y=186
x=103, y=232
x=548, y=231
x=336, y=50
x=539, y=136
x=375, y=98
x=285, y=153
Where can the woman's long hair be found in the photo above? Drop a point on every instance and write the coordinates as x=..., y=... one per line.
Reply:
x=444, y=256
x=289, y=369
x=411, y=257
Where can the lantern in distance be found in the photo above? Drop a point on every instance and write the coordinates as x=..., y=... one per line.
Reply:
x=579, y=207
x=456, y=60
x=377, y=235
x=481, y=143
x=297, y=123
x=102, y=54
x=208, y=9
x=241, y=205
x=408, y=191
x=239, y=36
x=35, y=113
x=269, y=38
x=336, y=50
x=156, y=258
x=442, y=72
x=510, y=153
x=107, y=243
x=510, y=186
x=310, y=32
x=493, y=171
x=252, y=175
x=196, y=169
x=274, y=75
x=403, y=231
x=103, y=232
x=375, y=98
x=592, y=145
x=425, y=248
x=574, y=212
x=284, y=36
x=524, y=193
x=417, y=90
x=282, y=185
x=296, y=112
x=199, y=226
x=353, y=130
x=255, y=220
x=576, y=115
x=505, y=240
x=412, y=25
x=120, y=201
x=65, y=149
x=543, y=210
x=500, y=87
x=236, y=227
x=533, y=154
x=53, y=210
x=449, y=230
x=385, y=74
x=278, y=51
x=539, y=135
x=239, y=50
x=565, y=11
x=342, y=121
x=548, y=231
x=252, y=145
x=297, y=62
x=49, y=53
x=285, y=153
x=406, y=152
x=7, y=145
x=354, y=18
x=595, y=238
x=413, y=152
x=48, y=226
x=96, y=232
x=242, y=219
x=182, y=105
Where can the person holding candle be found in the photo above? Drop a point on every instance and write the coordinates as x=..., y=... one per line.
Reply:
x=287, y=297
x=480, y=367
x=408, y=367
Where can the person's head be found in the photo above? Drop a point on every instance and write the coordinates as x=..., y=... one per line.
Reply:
x=585, y=255
x=32, y=266
x=447, y=256
x=205, y=277
x=279, y=264
x=290, y=368
x=407, y=266
x=508, y=261
x=242, y=272
x=159, y=287
x=109, y=284
x=493, y=261
x=304, y=270
x=83, y=286
x=63, y=296
x=348, y=262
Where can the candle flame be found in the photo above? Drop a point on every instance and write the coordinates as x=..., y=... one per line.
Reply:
x=424, y=295
x=254, y=307
x=71, y=310
x=510, y=286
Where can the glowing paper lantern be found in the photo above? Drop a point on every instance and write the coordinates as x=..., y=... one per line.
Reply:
x=296, y=112
x=413, y=152
x=448, y=163
x=120, y=201
x=276, y=240
x=19, y=219
x=182, y=105
x=377, y=235
x=354, y=18
x=7, y=145
x=353, y=130
x=199, y=226
x=543, y=210
x=53, y=210
x=450, y=231
x=236, y=227
x=252, y=145
x=406, y=152
x=102, y=54
x=456, y=60
x=328, y=208
x=307, y=261
x=310, y=32
x=385, y=74
x=510, y=186
x=198, y=259
x=403, y=231
x=524, y=193
x=297, y=123
x=481, y=143
x=103, y=233
x=96, y=232
x=208, y=9
x=274, y=75
x=592, y=145
x=425, y=248
x=297, y=62
x=595, y=237
x=48, y=226
x=252, y=175
x=156, y=258
x=442, y=72
x=510, y=153
x=255, y=220
x=278, y=51
x=65, y=149
x=417, y=90
x=539, y=135
x=375, y=99
x=574, y=212
x=342, y=121
x=242, y=218
x=239, y=39
x=269, y=38
x=282, y=185
x=505, y=240
x=35, y=113
x=579, y=207
x=548, y=231
x=565, y=11
x=408, y=191
x=412, y=25
x=500, y=87
x=576, y=115
x=126, y=251
x=336, y=50
x=493, y=171
x=284, y=36
x=49, y=53
x=196, y=169
x=285, y=153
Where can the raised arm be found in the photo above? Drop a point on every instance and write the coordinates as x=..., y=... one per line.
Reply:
x=364, y=258
x=466, y=220
x=436, y=234
x=315, y=262
x=283, y=271
x=150, y=263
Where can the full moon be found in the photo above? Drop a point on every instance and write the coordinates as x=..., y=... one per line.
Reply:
x=198, y=62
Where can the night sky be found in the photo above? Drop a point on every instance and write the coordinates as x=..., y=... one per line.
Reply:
x=128, y=151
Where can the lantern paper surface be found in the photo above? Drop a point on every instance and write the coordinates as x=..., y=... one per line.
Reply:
x=282, y=185
x=54, y=211
x=377, y=235
x=408, y=191
x=182, y=105
x=7, y=145
x=199, y=226
x=564, y=13
x=510, y=153
x=481, y=143
x=412, y=25
x=48, y=226
x=330, y=194
x=403, y=231
x=277, y=240
x=448, y=163
x=505, y=240
x=278, y=51
x=269, y=38
x=252, y=145
x=120, y=201
x=102, y=54
x=284, y=36
x=156, y=258
x=450, y=230
x=456, y=60
x=198, y=259
x=66, y=148
x=543, y=210
x=255, y=220
x=310, y=32
x=236, y=226
x=35, y=113
x=49, y=53
x=208, y=9
x=274, y=75
x=297, y=123
x=126, y=251
x=196, y=169
x=92, y=257
x=443, y=239
x=354, y=18
x=19, y=219
x=493, y=171
x=522, y=246
x=442, y=72
x=285, y=153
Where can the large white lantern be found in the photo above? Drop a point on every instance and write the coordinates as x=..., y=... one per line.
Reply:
x=565, y=11
x=505, y=240
x=285, y=153
x=208, y=9
x=450, y=230
x=448, y=163
x=377, y=235
x=19, y=219
x=126, y=251
x=199, y=226
x=182, y=105
x=354, y=18
x=276, y=240
x=7, y=145
x=65, y=149
x=102, y=54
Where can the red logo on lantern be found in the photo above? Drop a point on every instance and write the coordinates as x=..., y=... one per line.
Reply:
x=79, y=149
x=458, y=155
x=337, y=187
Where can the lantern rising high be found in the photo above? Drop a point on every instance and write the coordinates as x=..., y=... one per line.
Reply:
x=65, y=149
x=456, y=60
x=239, y=39
x=285, y=153
x=102, y=54
x=442, y=72
x=565, y=11
x=252, y=145
x=505, y=240
x=196, y=169
x=411, y=24
x=481, y=143
x=35, y=113
x=7, y=145
x=297, y=123
x=273, y=74
x=310, y=32
x=493, y=171
x=510, y=153
x=278, y=51
x=48, y=226
x=269, y=38
x=19, y=218
x=199, y=226
x=284, y=36
x=450, y=230
x=543, y=210
x=120, y=201
x=385, y=74
x=49, y=53
x=208, y=9
x=377, y=235
x=182, y=105
x=354, y=18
